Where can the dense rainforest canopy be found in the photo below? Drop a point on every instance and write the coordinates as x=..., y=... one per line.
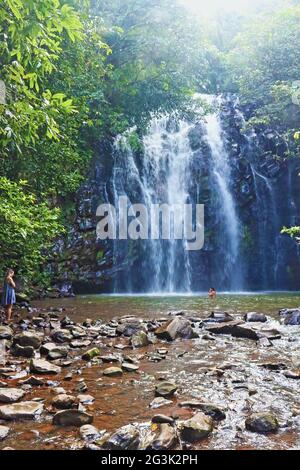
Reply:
x=77, y=72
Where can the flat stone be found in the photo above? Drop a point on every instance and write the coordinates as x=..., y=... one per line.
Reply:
x=80, y=343
x=86, y=399
x=61, y=336
x=109, y=358
x=159, y=402
x=72, y=418
x=35, y=381
x=165, y=389
x=22, y=410
x=128, y=367
x=210, y=409
x=40, y=366
x=10, y=395
x=218, y=317
x=234, y=328
x=198, y=427
x=262, y=423
x=113, y=371
x=160, y=419
x=177, y=327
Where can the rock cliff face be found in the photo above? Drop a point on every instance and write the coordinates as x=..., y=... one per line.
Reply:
x=249, y=189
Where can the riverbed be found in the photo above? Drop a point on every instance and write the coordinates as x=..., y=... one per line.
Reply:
x=232, y=373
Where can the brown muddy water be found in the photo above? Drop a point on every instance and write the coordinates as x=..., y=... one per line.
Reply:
x=223, y=370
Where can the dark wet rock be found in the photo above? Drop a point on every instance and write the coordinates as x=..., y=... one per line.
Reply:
x=274, y=365
x=140, y=339
x=72, y=418
x=61, y=336
x=125, y=438
x=198, y=427
x=35, y=381
x=178, y=327
x=165, y=389
x=78, y=332
x=113, y=371
x=234, y=328
x=262, y=423
x=89, y=433
x=210, y=409
x=166, y=438
x=160, y=419
x=40, y=366
x=255, y=317
x=159, y=402
x=10, y=395
x=128, y=367
x=22, y=351
x=22, y=410
x=5, y=332
x=4, y=431
x=66, y=321
x=292, y=374
x=28, y=339
x=131, y=328
x=63, y=401
x=91, y=353
x=218, y=317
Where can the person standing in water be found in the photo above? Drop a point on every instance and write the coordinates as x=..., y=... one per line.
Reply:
x=212, y=294
x=9, y=295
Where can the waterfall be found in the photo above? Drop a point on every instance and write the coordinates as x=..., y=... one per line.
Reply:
x=230, y=238
x=162, y=177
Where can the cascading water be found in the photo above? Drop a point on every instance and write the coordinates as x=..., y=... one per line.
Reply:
x=162, y=178
x=230, y=239
x=212, y=161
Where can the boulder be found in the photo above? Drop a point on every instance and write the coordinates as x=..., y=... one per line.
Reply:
x=4, y=431
x=113, y=371
x=22, y=410
x=28, y=339
x=22, y=351
x=165, y=389
x=125, y=438
x=63, y=401
x=72, y=418
x=166, y=437
x=40, y=366
x=291, y=317
x=198, y=427
x=262, y=423
x=255, y=317
x=177, y=327
x=129, y=329
x=5, y=332
x=11, y=395
x=140, y=339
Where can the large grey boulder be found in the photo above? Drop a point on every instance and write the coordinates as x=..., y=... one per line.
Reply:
x=177, y=327
x=290, y=316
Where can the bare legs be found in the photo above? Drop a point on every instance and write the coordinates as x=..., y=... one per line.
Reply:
x=8, y=311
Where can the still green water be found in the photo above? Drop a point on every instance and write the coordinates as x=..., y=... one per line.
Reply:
x=149, y=306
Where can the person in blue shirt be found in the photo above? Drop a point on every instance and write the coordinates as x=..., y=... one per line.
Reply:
x=9, y=295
